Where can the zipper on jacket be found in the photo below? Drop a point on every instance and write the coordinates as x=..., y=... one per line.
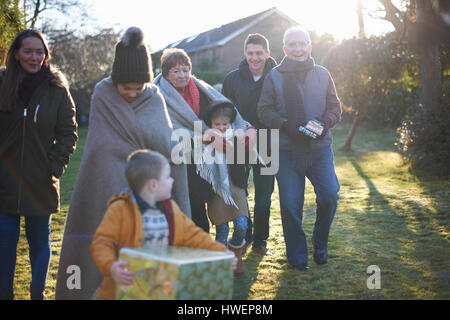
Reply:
x=36, y=113
x=19, y=198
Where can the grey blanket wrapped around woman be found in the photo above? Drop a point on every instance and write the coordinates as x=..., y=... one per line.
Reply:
x=116, y=128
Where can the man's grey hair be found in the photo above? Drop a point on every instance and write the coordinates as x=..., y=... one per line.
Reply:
x=296, y=29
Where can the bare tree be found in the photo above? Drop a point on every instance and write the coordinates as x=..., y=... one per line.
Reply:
x=84, y=60
x=35, y=9
x=359, y=12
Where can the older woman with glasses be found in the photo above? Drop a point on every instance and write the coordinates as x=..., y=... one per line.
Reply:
x=190, y=100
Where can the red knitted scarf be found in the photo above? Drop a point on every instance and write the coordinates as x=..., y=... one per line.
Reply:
x=192, y=96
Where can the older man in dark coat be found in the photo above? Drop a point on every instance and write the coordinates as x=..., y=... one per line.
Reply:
x=294, y=93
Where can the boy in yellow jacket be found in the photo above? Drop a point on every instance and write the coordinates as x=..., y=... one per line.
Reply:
x=141, y=217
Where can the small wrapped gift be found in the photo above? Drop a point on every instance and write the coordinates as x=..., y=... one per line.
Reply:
x=167, y=273
x=313, y=128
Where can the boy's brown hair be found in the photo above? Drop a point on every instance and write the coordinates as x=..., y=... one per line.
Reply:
x=142, y=166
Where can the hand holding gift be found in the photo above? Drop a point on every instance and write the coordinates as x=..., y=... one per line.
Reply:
x=121, y=274
x=314, y=128
x=326, y=126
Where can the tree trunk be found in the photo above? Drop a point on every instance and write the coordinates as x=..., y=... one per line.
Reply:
x=348, y=143
x=430, y=77
x=362, y=34
x=427, y=48
x=359, y=11
x=429, y=59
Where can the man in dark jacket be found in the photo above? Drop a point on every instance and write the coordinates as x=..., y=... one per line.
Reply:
x=243, y=87
x=294, y=93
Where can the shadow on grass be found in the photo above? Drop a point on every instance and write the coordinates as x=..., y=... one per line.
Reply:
x=412, y=257
x=439, y=191
x=398, y=235
x=243, y=284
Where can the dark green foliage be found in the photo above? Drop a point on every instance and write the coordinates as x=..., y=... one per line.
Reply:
x=211, y=77
x=425, y=138
x=207, y=71
x=11, y=23
x=322, y=45
x=377, y=76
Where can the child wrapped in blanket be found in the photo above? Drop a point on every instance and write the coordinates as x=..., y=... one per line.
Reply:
x=220, y=118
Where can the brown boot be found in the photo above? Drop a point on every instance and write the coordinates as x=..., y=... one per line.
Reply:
x=247, y=244
x=240, y=269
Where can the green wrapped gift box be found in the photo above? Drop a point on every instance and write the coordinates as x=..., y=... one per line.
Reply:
x=165, y=273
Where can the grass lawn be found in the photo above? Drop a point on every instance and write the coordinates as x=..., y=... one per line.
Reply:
x=386, y=217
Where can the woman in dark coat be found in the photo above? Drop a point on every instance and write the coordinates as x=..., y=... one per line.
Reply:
x=38, y=133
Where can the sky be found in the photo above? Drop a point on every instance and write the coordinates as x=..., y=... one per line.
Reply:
x=164, y=22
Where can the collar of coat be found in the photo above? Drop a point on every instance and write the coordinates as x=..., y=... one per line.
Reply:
x=55, y=77
x=244, y=69
x=289, y=65
x=133, y=200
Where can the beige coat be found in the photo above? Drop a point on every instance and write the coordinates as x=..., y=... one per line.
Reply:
x=219, y=212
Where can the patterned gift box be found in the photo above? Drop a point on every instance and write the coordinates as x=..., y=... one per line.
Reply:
x=167, y=273
x=313, y=128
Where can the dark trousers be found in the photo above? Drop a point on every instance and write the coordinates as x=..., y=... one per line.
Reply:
x=198, y=212
x=37, y=233
x=264, y=186
x=200, y=191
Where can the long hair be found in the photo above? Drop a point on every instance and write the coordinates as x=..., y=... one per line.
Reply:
x=14, y=75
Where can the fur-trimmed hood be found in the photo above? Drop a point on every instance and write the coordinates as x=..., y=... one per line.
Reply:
x=55, y=77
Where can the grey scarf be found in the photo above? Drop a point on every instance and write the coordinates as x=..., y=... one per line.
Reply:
x=183, y=116
x=294, y=74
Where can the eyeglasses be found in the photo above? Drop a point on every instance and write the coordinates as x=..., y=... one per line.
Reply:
x=177, y=71
x=300, y=44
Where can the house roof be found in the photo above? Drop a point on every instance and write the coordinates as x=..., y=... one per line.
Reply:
x=221, y=35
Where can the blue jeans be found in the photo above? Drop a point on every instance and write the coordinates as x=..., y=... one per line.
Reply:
x=291, y=185
x=240, y=228
x=264, y=186
x=38, y=237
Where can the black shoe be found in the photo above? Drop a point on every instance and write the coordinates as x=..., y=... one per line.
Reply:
x=320, y=260
x=301, y=267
